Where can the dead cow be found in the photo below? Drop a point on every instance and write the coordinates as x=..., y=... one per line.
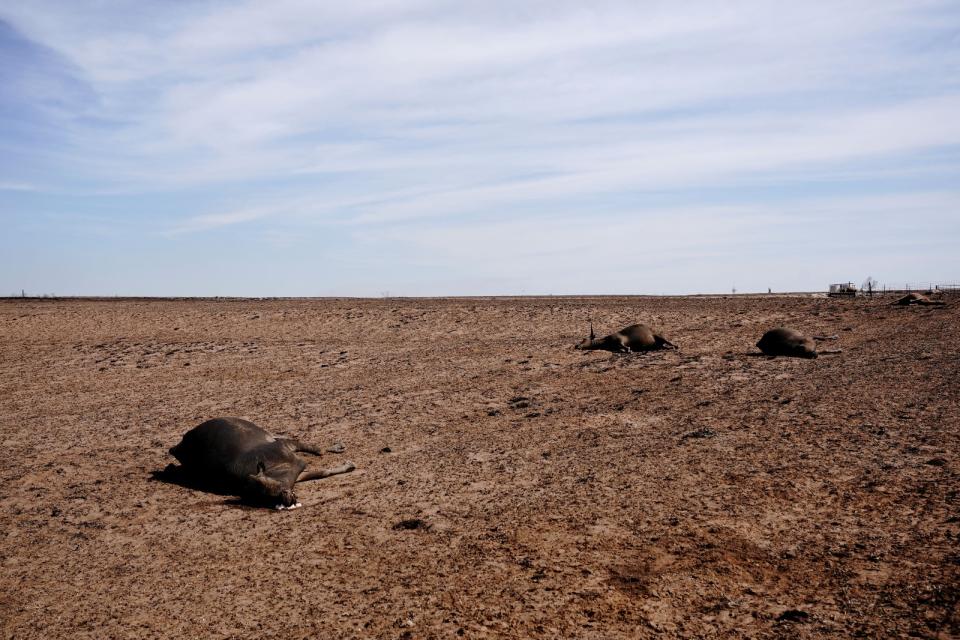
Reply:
x=918, y=298
x=239, y=456
x=787, y=342
x=636, y=337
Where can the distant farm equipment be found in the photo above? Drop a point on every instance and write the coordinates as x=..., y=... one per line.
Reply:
x=842, y=289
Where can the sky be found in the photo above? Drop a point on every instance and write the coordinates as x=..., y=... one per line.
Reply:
x=422, y=148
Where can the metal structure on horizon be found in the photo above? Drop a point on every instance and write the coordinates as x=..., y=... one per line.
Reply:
x=848, y=289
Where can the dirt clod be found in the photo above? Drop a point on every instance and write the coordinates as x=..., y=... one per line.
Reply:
x=412, y=525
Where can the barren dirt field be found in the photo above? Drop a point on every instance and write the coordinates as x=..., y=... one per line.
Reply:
x=547, y=492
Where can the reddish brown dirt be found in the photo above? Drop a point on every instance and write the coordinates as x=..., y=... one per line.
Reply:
x=699, y=493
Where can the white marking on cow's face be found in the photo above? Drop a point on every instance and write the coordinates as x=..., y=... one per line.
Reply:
x=271, y=438
x=280, y=507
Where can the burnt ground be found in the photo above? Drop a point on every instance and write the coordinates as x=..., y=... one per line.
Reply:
x=507, y=485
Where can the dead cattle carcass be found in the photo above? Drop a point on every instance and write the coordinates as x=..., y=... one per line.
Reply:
x=636, y=337
x=919, y=299
x=238, y=456
x=787, y=342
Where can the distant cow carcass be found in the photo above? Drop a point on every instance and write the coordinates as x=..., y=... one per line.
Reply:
x=787, y=342
x=237, y=455
x=636, y=337
x=918, y=299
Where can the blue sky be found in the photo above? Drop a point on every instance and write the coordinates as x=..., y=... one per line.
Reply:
x=298, y=147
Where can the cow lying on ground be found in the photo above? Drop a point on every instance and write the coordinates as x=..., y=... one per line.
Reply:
x=636, y=337
x=787, y=342
x=918, y=298
x=238, y=456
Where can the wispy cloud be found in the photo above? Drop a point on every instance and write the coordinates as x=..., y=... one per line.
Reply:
x=18, y=186
x=205, y=222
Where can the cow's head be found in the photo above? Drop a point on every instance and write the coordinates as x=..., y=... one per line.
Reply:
x=588, y=343
x=267, y=489
x=804, y=351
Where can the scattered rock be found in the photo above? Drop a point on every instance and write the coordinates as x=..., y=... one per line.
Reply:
x=703, y=432
x=386, y=450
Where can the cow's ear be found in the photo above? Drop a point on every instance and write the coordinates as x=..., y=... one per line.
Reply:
x=259, y=478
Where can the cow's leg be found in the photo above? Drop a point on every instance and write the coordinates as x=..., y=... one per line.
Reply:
x=296, y=445
x=346, y=467
x=663, y=343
